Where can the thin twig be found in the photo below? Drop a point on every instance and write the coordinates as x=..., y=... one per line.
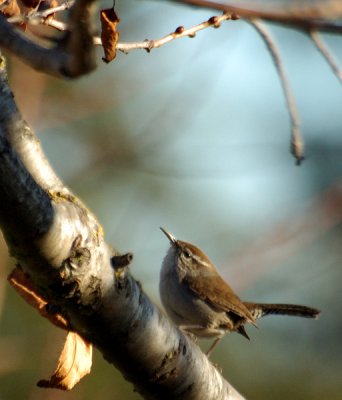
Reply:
x=147, y=44
x=36, y=17
x=54, y=23
x=322, y=48
x=180, y=32
x=297, y=144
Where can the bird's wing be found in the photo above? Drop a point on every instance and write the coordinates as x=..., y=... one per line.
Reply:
x=218, y=294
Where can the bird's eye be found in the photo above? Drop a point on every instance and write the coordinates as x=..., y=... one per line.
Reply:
x=186, y=254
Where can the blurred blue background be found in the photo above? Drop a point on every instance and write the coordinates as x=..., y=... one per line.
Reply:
x=194, y=137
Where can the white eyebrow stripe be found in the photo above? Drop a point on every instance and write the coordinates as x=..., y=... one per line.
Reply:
x=200, y=261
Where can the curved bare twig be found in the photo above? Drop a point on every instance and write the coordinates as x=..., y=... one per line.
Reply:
x=297, y=144
x=322, y=48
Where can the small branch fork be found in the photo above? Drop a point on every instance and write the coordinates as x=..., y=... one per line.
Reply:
x=37, y=17
x=309, y=18
x=72, y=57
x=41, y=17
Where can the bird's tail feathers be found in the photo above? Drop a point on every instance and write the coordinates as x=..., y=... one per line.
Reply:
x=259, y=310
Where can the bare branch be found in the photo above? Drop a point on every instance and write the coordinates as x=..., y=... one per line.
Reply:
x=320, y=15
x=297, y=145
x=180, y=32
x=322, y=48
x=37, y=17
x=72, y=57
x=147, y=44
x=54, y=23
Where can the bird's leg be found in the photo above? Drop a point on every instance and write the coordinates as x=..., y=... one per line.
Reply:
x=211, y=348
x=188, y=330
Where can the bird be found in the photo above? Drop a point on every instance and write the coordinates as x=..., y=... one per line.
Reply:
x=202, y=304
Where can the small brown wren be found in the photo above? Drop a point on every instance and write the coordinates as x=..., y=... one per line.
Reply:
x=201, y=303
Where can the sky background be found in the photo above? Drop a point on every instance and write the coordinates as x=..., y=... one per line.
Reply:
x=194, y=137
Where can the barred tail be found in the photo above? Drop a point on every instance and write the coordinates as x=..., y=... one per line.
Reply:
x=259, y=310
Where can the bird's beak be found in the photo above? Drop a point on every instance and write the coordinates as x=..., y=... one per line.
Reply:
x=169, y=235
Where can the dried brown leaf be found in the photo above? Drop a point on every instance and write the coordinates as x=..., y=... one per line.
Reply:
x=76, y=357
x=11, y=9
x=74, y=363
x=23, y=285
x=109, y=33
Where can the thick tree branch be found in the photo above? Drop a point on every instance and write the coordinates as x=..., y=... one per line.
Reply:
x=62, y=248
x=73, y=56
